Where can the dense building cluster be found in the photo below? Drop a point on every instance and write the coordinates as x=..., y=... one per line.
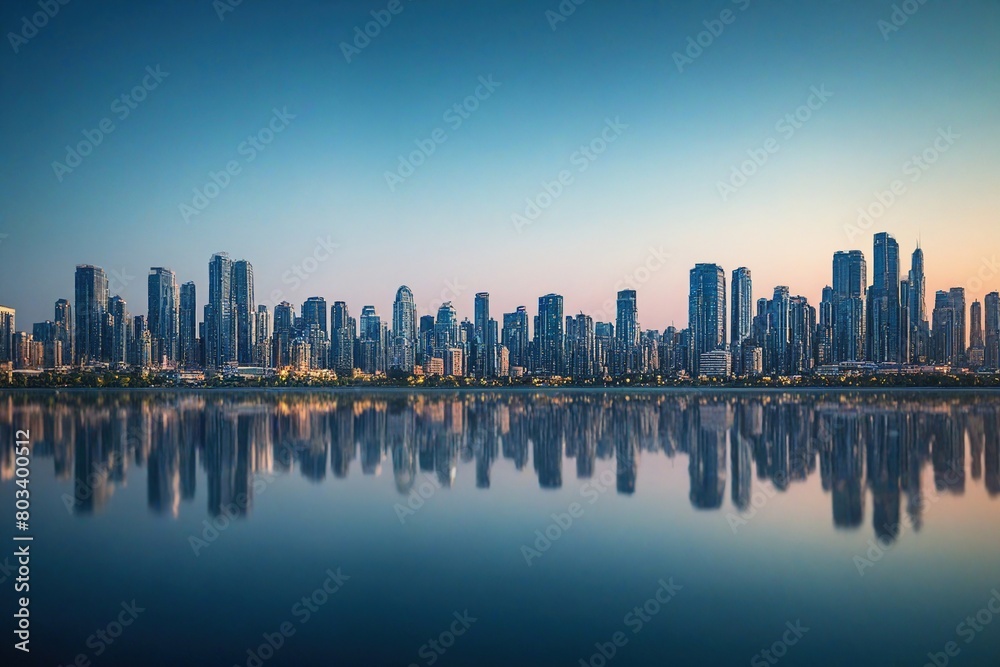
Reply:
x=859, y=327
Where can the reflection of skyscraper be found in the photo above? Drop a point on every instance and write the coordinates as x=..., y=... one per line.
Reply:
x=707, y=462
x=91, y=305
x=706, y=313
x=162, y=315
x=243, y=304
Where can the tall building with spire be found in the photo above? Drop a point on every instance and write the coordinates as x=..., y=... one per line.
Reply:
x=916, y=309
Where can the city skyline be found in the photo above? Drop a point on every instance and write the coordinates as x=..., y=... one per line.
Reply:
x=884, y=322
x=920, y=116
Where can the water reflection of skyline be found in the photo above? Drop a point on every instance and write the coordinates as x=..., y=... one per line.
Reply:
x=857, y=443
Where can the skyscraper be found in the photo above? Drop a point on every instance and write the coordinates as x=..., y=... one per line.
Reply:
x=580, y=334
x=117, y=330
x=949, y=327
x=801, y=328
x=342, y=334
x=883, y=302
x=515, y=336
x=243, y=303
x=262, y=337
x=957, y=297
x=370, y=341
x=742, y=312
x=446, y=329
x=850, y=281
x=992, y=330
x=976, y=355
x=220, y=316
x=626, y=355
x=706, y=313
x=405, y=344
x=91, y=307
x=549, y=333
x=64, y=331
x=163, y=315
x=7, y=329
x=919, y=331
x=188, y=325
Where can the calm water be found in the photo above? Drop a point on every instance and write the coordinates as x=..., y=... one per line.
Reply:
x=516, y=528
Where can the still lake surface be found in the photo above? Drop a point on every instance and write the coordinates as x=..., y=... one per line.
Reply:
x=508, y=528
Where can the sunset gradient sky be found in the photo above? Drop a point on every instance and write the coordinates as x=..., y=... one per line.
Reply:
x=447, y=231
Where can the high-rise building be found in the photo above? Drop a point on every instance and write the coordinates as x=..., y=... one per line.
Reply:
x=446, y=329
x=549, y=335
x=801, y=328
x=706, y=313
x=883, y=302
x=778, y=351
x=370, y=339
x=91, y=308
x=188, y=326
x=604, y=346
x=163, y=315
x=244, y=311
x=580, y=337
x=742, y=314
x=64, y=331
x=117, y=331
x=314, y=314
x=991, y=326
x=850, y=280
x=949, y=327
x=976, y=355
x=7, y=328
x=342, y=334
x=515, y=336
x=284, y=335
x=405, y=344
x=220, y=316
x=919, y=329
x=262, y=337
x=140, y=347
x=625, y=359
x=824, y=329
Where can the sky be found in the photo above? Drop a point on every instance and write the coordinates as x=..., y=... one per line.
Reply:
x=615, y=145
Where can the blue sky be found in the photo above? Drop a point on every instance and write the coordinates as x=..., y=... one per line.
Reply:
x=447, y=230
